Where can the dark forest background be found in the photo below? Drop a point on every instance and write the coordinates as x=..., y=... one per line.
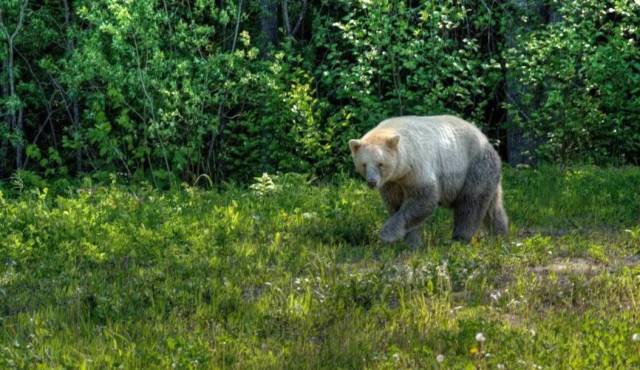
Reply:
x=168, y=89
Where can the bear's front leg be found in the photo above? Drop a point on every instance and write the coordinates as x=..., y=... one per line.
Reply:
x=414, y=237
x=419, y=203
x=393, y=230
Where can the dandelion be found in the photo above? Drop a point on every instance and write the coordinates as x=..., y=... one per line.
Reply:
x=635, y=337
x=496, y=296
x=440, y=358
x=456, y=309
x=480, y=337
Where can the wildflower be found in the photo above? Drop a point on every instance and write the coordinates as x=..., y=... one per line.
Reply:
x=500, y=366
x=480, y=337
x=308, y=215
x=396, y=357
x=440, y=358
x=496, y=295
x=635, y=337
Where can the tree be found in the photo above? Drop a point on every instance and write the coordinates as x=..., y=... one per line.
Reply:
x=73, y=107
x=268, y=23
x=14, y=105
x=518, y=143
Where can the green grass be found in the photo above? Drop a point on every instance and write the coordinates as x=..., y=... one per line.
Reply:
x=292, y=275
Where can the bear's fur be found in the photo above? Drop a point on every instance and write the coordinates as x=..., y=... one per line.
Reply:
x=420, y=163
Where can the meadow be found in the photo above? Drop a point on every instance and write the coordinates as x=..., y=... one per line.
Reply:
x=289, y=273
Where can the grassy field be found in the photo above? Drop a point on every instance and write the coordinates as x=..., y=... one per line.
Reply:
x=291, y=275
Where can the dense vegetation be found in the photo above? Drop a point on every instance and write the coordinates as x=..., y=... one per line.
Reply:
x=128, y=239
x=173, y=89
x=292, y=275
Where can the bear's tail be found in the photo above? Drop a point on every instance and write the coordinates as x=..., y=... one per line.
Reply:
x=496, y=219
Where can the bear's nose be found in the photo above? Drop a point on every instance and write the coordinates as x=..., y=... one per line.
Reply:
x=371, y=183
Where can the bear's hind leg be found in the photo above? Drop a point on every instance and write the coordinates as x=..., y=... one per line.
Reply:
x=477, y=193
x=467, y=216
x=496, y=220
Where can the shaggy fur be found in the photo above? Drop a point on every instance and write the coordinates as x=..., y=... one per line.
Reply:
x=418, y=163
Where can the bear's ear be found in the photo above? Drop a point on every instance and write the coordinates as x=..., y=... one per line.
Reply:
x=392, y=141
x=355, y=144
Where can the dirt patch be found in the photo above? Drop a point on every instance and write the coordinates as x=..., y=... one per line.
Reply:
x=569, y=266
x=526, y=232
x=629, y=261
x=512, y=320
x=584, y=266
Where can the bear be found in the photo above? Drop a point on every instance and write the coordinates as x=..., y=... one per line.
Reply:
x=418, y=163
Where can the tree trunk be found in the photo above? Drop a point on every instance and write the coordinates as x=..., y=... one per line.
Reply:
x=20, y=143
x=15, y=120
x=269, y=37
x=73, y=98
x=4, y=145
x=520, y=147
x=269, y=23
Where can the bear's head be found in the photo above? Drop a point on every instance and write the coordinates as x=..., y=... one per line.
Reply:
x=376, y=158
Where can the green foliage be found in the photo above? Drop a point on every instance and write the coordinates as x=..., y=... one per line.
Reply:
x=290, y=274
x=169, y=90
x=388, y=58
x=582, y=78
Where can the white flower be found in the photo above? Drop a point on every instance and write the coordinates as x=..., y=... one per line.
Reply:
x=500, y=366
x=480, y=337
x=396, y=357
x=440, y=358
x=635, y=337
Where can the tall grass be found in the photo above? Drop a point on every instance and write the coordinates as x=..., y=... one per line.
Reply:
x=290, y=274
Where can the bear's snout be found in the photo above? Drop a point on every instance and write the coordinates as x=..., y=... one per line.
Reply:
x=372, y=183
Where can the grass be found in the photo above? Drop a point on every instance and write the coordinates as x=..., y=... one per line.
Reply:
x=291, y=275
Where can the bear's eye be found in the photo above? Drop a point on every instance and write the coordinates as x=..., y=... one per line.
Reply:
x=380, y=165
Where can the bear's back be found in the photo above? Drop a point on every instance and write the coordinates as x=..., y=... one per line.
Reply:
x=436, y=147
x=442, y=133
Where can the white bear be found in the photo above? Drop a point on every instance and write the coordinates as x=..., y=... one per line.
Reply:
x=419, y=163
